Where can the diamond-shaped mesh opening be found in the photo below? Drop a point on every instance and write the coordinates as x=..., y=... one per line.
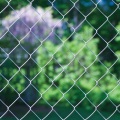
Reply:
x=48, y=94
x=87, y=38
x=66, y=110
x=18, y=32
x=107, y=57
x=57, y=12
x=67, y=60
x=109, y=105
x=97, y=74
x=12, y=67
x=81, y=60
x=19, y=82
x=90, y=84
x=41, y=110
x=44, y=60
x=92, y=95
x=8, y=100
x=30, y=95
x=90, y=108
x=108, y=83
x=55, y=37
x=93, y=16
x=62, y=9
x=80, y=5
x=75, y=21
x=29, y=21
x=69, y=31
x=66, y=80
x=19, y=112
x=19, y=56
x=8, y=41
x=72, y=93
x=113, y=7
x=69, y=70
x=27, y=67
x=110, y=28
x=38, y=80
x=41, y=34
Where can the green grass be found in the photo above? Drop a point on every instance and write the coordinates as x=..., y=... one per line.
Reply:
x=63, y=112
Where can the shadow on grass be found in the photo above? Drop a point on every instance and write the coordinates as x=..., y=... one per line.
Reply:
x=60, y=113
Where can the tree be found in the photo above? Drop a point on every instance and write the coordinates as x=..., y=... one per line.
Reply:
x=26, y=34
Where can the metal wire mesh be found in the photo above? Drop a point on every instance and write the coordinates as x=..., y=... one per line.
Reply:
x=29, y=58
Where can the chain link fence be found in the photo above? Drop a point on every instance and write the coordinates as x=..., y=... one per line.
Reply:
x=56, y=63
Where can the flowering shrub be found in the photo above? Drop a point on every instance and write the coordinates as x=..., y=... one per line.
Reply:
x=31, y=24
x=27, y=28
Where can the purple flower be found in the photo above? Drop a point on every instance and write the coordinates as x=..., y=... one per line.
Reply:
x=30, y=24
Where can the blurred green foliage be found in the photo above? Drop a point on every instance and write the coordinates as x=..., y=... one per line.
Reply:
x=73, y=71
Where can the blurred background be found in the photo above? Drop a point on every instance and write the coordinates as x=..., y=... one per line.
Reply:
x=59, y=59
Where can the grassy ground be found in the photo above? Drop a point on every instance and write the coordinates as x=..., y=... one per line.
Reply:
x=63, y=112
